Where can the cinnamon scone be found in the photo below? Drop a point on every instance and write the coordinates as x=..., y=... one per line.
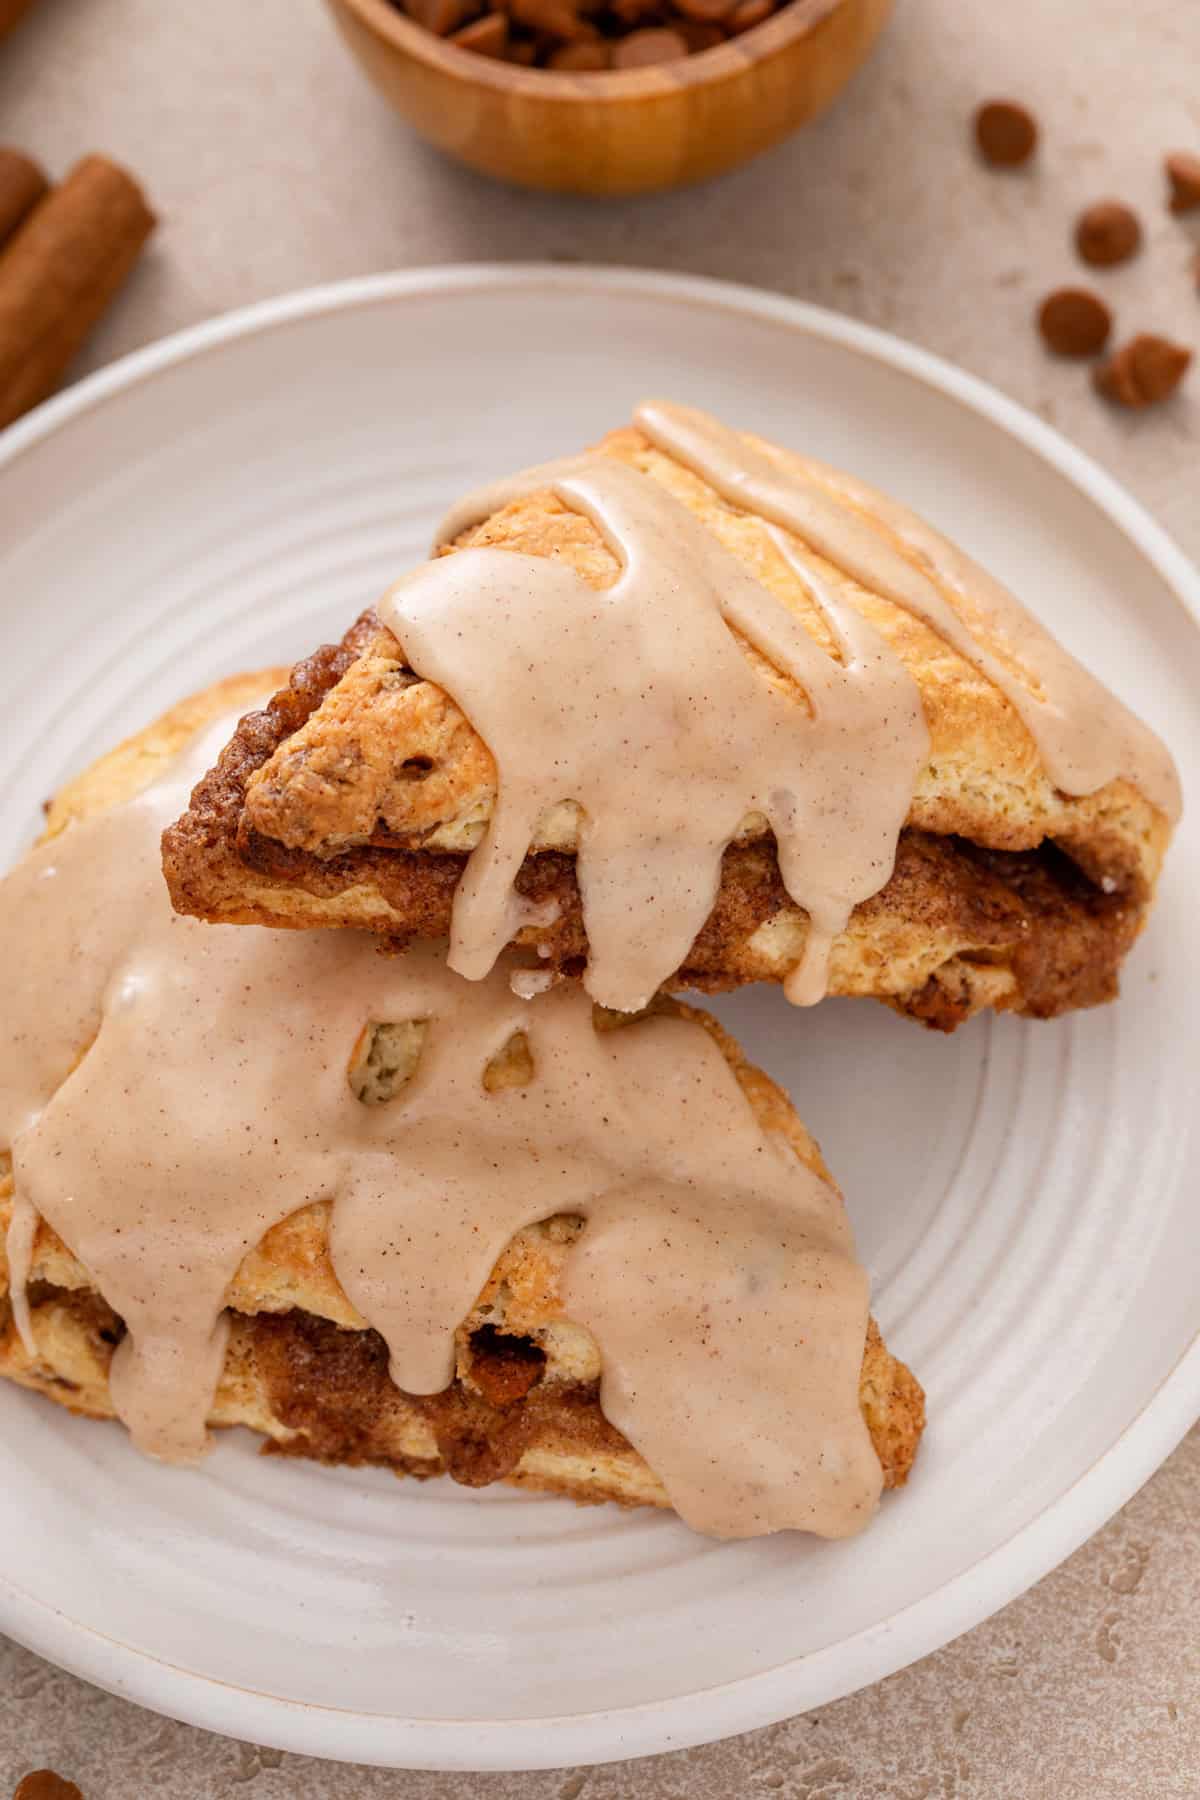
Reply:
x=691, y=710
x=384, y=1215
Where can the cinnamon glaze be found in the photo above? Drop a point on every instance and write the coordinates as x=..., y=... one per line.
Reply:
x=638, y=702
x=212, y=1099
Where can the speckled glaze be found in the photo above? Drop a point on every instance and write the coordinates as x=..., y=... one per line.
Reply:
x=717, y=1273
x=638, y=704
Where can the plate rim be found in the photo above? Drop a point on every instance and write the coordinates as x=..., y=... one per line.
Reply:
x=868, y=1656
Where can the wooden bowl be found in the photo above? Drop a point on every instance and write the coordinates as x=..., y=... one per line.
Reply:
x=626, y=132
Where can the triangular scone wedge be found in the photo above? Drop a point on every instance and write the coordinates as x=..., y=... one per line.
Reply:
x=301, y=1365
x=357, y=796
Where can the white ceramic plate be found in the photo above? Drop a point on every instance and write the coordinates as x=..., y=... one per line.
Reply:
x=1023, y=1194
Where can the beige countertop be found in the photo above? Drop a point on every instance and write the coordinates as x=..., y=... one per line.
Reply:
x=274, y=166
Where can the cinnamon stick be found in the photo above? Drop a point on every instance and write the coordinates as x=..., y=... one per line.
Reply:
x=59, y=272
x=10, y=12
x=22, y=184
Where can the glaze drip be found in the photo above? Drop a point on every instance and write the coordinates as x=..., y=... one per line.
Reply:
x=639, y=703
x=212, y=1100
x=1086, y=737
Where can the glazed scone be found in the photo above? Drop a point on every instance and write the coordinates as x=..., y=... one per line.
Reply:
x=357, y=796
x=302, y=1367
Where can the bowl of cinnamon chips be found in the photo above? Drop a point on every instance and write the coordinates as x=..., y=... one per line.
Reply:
x=608, y=96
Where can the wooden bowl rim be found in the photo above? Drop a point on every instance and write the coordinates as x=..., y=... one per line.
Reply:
x=796, y=19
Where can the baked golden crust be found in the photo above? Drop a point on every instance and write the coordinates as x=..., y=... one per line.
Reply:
x=304, y=1369
x=355, y=798
x=318, y=1390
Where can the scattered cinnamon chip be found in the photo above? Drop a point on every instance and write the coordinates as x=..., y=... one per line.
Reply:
x=11, y=12
x=1006, y=133
x=1107, y=233
x=1074, y=322
x=1183, y=174
x=44, y=1784
x=1142, y=372
x=642, y=48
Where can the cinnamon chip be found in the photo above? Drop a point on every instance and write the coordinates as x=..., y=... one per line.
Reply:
x=1142, y=372
x=1074, y=322
x=1183, y=174
x=44, y=1784
x=642, y=48
x=1108, y=233
x=748, y=13
x=588, y=36
x=487, y=36
x=11, y=14
x=1006, y=133
x=442, y=17
x=586, y=56
x=698, y=36
x=550, y=18
x=705, y=12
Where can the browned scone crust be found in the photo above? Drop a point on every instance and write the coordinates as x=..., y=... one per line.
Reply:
x=305, y=1370
x=319, y=1390
x=957, y=928
x=354, y=799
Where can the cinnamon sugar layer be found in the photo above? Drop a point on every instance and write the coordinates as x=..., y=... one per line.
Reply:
x=319, y=1390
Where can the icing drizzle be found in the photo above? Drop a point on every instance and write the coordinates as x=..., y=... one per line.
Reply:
x=637, y=702
x=212, y=1100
